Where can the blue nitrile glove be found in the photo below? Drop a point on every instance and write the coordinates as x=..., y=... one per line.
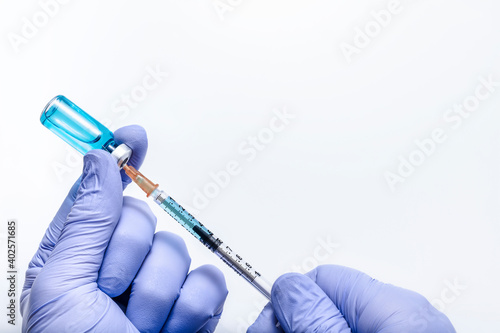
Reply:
x=338, y=299
x=101, y=267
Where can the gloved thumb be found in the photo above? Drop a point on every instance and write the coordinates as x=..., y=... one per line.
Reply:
x=79, y=251
x=301, y=306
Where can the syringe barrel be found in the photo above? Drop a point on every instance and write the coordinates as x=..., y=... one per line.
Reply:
x=198, y=230
x=243, y=268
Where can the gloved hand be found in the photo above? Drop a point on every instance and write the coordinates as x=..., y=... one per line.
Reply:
x=101, y=268
x=340, y=300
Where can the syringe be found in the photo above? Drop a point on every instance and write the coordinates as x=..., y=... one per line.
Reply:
x=199, y=231
x=84, y=133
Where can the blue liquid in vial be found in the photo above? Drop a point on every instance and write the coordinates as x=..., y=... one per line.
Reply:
x=75, y=126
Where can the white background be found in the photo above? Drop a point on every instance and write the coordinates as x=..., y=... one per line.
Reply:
x=323, y=176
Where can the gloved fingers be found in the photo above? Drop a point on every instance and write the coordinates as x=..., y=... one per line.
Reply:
x=135, y=137
x=78, y=254
x=301, y=306
x=200, y=303
x=266, y=322
x=345, y=287
x=210, y=326
x=158, y=282
x=84, y=309
x=111, y=320
x=372, y=306
x=130, y=243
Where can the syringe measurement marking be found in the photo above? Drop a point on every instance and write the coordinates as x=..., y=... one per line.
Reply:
x=197, y=229
x=179, y=214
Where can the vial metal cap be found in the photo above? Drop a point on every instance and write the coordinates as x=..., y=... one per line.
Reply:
x=122, y=154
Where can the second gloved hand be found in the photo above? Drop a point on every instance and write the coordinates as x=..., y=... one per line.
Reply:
x=342, y=300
